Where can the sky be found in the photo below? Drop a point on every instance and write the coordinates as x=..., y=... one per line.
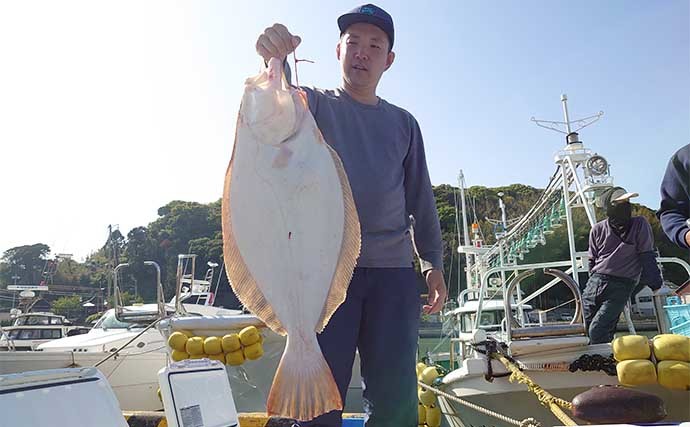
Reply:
x=110, y=110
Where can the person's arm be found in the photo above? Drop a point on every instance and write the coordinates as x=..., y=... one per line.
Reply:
x=675, y=207
x=592, y=251
x=421, y=204
x=651, y=275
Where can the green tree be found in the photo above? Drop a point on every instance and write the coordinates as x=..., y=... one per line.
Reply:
x=26, y=262
x=68, y=306
x=184, y=227
x=127, y=299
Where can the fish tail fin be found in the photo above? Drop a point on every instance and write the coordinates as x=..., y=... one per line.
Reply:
x=303, y=387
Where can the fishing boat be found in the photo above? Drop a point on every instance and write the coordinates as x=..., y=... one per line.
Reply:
x=495, y=337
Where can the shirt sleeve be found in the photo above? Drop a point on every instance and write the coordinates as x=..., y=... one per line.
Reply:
x=421, y=204
x=592, y=250
x=675, y=206
x=651, y=275
x=645, y=238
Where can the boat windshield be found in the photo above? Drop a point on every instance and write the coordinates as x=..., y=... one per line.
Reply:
x=109, y=321
x=37, y=320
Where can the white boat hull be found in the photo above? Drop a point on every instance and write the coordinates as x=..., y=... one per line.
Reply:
x=133, y=377
x=515, y=401
x=522, y=404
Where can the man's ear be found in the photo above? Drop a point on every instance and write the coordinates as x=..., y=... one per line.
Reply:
x=389, y=60
x=337, y=50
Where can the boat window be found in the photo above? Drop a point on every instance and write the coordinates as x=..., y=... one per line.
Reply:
x=108, y=321
x=50, y=334
x=38, y=320
x=55, y=321
x=29, y=334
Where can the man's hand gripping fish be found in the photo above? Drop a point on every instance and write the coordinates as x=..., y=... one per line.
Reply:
x=291, y=236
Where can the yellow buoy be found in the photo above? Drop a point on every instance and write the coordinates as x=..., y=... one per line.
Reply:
x=428, y=375
x=198, y=356
x=219, y=357
x=420, y=367
x=674, y=374
x=195, y=346
x=177, y=341
x=433, y=416
x=234, y=358
x=212, y=345
x=426, y=396
x=421, y=414
x=249, y=335
x=177, y=355
x=230, y=343
x=189, y=334
x=254, y=351
x=671, y=347
x=630, y=347
x=636, y=372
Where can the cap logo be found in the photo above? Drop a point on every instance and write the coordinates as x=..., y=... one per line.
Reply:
x=367, y=10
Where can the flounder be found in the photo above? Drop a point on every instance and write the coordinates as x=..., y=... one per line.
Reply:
x=291, y=235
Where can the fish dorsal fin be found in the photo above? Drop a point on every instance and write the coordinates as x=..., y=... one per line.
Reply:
x=242, y=282
x=349, y=250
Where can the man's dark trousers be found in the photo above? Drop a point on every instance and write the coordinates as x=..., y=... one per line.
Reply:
x=603, y=302
x=380, y=318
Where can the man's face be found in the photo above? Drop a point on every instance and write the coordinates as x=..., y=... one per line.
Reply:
x=363, y=55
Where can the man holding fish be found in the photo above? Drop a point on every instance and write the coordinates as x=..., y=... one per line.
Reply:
x=382, y=152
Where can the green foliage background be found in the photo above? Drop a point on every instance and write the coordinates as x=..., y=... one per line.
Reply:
x=191, y=227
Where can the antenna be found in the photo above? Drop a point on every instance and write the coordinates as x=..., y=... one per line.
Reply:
x=568, y=124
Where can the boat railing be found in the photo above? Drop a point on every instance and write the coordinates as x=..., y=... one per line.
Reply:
x=582, y=263
x=182, y=261
x=576, y=325
x=122, y=314
x=6, y=336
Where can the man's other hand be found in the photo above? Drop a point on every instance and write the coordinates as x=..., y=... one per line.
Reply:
x=437, y=292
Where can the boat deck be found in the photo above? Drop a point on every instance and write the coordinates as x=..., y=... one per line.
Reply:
x=254, y=419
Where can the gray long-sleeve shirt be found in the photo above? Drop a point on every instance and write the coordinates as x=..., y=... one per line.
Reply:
x=383, y=154
x=609, y=254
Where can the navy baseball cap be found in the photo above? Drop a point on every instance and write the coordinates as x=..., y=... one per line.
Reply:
x=370, y=14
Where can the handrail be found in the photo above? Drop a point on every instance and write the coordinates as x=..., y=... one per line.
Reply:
x=493, y=270
x=10, y=341
x=179, y=308
x=160, y=301
x=569, y=282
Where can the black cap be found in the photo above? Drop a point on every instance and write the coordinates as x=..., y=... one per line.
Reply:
x=370, y=14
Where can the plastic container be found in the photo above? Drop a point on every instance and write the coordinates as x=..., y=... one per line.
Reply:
x=353, y=422
x=673, y=300
x=677, y=313
x=682, y=329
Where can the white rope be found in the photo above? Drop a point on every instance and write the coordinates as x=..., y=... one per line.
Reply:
x=524, y=423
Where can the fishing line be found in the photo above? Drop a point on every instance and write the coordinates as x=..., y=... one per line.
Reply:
x=296, y=60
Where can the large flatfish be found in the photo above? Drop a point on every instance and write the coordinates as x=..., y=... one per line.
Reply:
x=291, y=235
